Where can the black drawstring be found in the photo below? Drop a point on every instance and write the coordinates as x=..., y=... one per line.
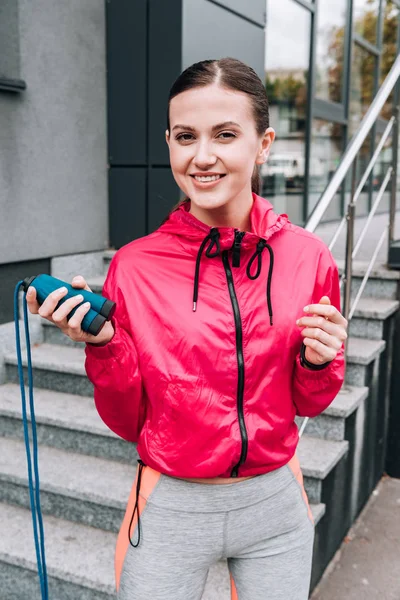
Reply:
x=141, y=465
x=260, y=247
x=213, y=238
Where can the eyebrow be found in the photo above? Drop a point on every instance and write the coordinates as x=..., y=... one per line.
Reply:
x=214, y=128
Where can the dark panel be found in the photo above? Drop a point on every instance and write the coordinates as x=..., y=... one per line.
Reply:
x=10, y=274
x=126, y=37
x=329, y=111
x=163, y=195
x=210, y=31
x=165, y=60
x=393, y=440
x=9, y=40
x=127, y=208
x=254, y=10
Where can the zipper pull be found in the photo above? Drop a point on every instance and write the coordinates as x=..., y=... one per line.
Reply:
x=239, y=235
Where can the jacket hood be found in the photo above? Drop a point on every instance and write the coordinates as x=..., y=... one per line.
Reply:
x=213, y=241
x=264, y=224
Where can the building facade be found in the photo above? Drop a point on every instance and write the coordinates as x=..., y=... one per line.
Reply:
x=83, y=99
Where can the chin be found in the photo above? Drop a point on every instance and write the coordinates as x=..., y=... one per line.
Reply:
x=208, y=202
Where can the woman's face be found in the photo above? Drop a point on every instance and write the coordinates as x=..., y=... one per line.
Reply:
x=214, y=145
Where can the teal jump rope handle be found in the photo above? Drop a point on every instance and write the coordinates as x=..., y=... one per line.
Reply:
x=101, y=309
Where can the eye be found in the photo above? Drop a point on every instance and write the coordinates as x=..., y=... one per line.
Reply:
x=184, y=137
x=227, y=135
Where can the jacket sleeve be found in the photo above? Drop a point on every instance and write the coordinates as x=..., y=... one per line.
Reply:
x=114, y=370
x=313, y=391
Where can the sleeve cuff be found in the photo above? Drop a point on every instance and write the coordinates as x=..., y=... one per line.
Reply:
x=113, y=349
x=315, y=375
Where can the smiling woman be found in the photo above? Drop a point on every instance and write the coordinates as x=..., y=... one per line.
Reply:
x=211, y=359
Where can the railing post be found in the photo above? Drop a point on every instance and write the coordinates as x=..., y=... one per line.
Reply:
x=348, y=270
x=395, y=147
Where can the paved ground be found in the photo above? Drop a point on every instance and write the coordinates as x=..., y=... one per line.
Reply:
x=367, y=566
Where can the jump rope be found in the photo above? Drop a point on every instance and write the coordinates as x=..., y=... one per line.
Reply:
x=101, y=310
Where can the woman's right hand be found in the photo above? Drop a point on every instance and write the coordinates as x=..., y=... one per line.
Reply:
x=71, y=328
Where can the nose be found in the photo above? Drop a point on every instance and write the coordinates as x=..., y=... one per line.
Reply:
x=205, y=155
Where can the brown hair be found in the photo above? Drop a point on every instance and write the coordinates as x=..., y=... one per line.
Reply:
x=231, y=74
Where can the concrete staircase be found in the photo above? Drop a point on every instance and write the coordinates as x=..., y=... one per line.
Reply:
x=87, y=471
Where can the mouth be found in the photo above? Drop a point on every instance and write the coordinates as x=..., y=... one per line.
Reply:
x=207, y=180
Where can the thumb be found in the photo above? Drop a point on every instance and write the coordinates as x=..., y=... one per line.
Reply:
x=325, y=300
x=79, y=282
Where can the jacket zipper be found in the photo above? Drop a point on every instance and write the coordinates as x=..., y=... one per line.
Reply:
x=239, y=353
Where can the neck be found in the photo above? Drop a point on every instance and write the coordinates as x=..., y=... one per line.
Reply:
x=235, y=214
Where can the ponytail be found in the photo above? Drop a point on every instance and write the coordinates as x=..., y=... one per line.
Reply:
x=256, y=180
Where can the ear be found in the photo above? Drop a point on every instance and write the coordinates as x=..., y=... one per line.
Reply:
x=167, y=136
x=265, y=146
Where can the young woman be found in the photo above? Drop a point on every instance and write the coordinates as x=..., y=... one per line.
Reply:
x=210, y=356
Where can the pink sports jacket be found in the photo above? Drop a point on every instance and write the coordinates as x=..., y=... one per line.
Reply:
x=204, y=368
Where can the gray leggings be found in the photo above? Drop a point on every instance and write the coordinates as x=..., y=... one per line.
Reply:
x=262, y=526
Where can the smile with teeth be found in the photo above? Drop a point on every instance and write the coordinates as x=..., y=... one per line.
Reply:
x=205, y=178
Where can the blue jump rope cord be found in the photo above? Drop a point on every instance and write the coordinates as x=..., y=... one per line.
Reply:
x=34, y=486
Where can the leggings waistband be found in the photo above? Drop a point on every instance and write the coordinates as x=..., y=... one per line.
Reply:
x=187, y=496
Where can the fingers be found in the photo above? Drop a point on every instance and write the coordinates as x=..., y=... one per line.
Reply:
x=75, y=331
x=49, y=305
x=72, y=327
x=59, y=316
x=319, y=335
x=327, y=310
x=32, y=303
x=326, y=352
x=322, y=325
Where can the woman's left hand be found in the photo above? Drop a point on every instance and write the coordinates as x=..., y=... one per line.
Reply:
x=324, y=332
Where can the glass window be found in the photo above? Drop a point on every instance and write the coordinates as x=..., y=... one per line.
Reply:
x=326, y=150
x=362, y=85
x=365, y=16
x=286, y=64
x=382, y=165
x=331, y=29
x=361, y=95
x=389, y=49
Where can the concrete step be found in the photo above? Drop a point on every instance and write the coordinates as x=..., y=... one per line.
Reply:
x=80, y=560
x=362, y=354
x=317, y=459
x=382, y=282
x=53, y=335
x=330, y=425
x=96, y=283
x=108, y=254
x=64, y=421
x=57, y=368
x=370, y=315
x=84, y=489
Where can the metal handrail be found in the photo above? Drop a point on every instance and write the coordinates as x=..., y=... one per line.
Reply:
x=349, y=160
x=354, y=146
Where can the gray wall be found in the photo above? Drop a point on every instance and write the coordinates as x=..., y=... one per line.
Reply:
x=53, y=146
